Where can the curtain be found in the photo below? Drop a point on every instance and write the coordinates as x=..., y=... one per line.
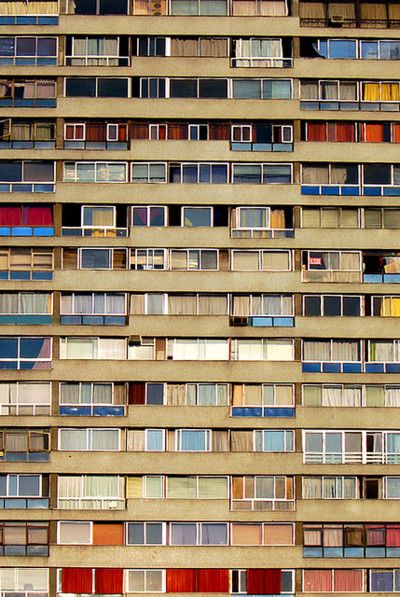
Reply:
x=278, y=534
x=137, y=393
x=108, y=581
x=312, y=536
x=375, y=534
x=312, y=488
x=181, y=580
x=214, y=47
x=316, y=131
x=343, y=9
x=135, y=440
x=212, y=581
x=241, y=441
x=184, y=47
x=373, y=133
x=76, y=580
x=246, y=534
x=317, y=581
x=392, y=397
x=350, y=581
x=220, y=441
x=392, y=535
x=264, y=581
x=10, y=216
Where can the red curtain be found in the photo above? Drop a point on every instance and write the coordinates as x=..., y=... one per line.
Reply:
x=136, y=393
x=139, y=131
x=95, y=132
x=392, y=535
x=345, y=132
x=316, y=131
x=181, y=580
x=212, y=581
x=108, y=580
x=38, y=216
x=122, y=132
x=373, y=133
x=178, y=132
x=395, y=133
x=76, y=580
x=219, y=132
x=264, y=581
x=10, y=216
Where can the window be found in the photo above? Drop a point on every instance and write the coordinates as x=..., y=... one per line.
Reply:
x=331, y=266
x=197, y=216
x=24, y=491
x=98, y=7
x=261, y=173
x=199, y=7
x=97, y=398
x=328, y=91
x=150, y=215
x=145, y=581
x=89, y=439
x=95, y=171
x=96, y=86
x=96, y=303
x=262, y=349
x=16, y=580
x=26, y=264
x=24, y=539
x=194, y=259
x=37, y=176
x=261, y=260
x=148, y=172
x=198, y=173
x=148, y=259
x=257, y=533
x=337, y=488
x=95, y=51
x=262, y=305
x=90, y=533
x=92, y=348
x=24, y=445
x=270, y=440
x=25, y=398
x=332, y=581
x=100, y=259
x=28, y=50
x=262, y=493
x=146, y=533
x=25, y=353
x=193, y=440
x=34, y=93
x=385, y=306
x=25, y=303
x=91, y=492
x=200, y=533
x=199, y=349
x=332, y=305
x=271, y=395
x=261, y=88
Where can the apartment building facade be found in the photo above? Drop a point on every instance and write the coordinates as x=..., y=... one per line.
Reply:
x=199, y=293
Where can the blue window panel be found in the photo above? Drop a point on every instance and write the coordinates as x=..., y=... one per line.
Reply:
x=353, y=552
x=16, y=457
x=27, y=365
x=283, y=322
x=115, y=320
x=307, y=190
x=377, y=552
x=374, y=368
x=47, y=20
x=38, y=503
x=241, y=146
x=41, y=275
x=350, y=191
x=21, y=231
x=372, y=191
x=26, y=319
x=22, y=188
x=19, y=275
x=392, y=552
x=312, y=552
x=391, y=278
x=108, y=411
x=373, y=278
x=71, y=319
x=243, y=411
x=330, y=190
x=311, y=367
x=93, y=320
x=260, y=321
x=5, y=231
x=391, y=191
x=30, y=348
x=43, y=188
x=331, y=367
x=281, y=411
x=75, y=411
x=393, y=368
x=39, y=456
x=25, y=20
x=333, y=552
x=3, y=275
x=15, y=503
x=46, y=103
x=6, y=21
x=4, y=188
x=46, y=61
x=43, y=231
x=262, y=147
x=351, y=367
x=329, y=106
x=283, y=147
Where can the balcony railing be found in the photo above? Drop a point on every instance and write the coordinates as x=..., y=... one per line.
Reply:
x=381, y=278
x=332, y=366
x=95, y=503
x=262, y=233
x=351, y=458
x=81, y=144
x=349, y=22
x=89, y=410
x=28, y=60
x=327, y=275
x=39, y=408
x=259, y=504
x=24, y=503
x=26, y=231
x=261, y=62
x=28, y=20
x=94, y=232
x=263, y=411
x=96, y=60
x=248, y=146
x=16, y=144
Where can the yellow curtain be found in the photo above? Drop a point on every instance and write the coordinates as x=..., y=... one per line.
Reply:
x=390, y=307
x=371, y=92
x=390, y=92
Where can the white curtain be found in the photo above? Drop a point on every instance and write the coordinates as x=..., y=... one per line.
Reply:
x=73, y=439
x=312, y=488
x=112, y=348
x=392, y=396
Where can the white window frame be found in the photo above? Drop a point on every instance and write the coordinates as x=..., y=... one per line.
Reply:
x=196, y=128
x=239, y=211
x=149, y=164
x=89, y=439
x=80, y=522
x=341, y=296
x=164, y=298
x=91, y=384
x=145, y=523
x=149, y=254
x=92, y=226
x=146, y=440
x=20, y=311
x=112, y=136
x=148, y=211
x=242, y=128
x=286, y=434
x=156, y=128
x=96, y=165
x=17, y=495
x=110, y=258
x=191, y=269
x=93, y=295
x=209, y=209
x=74, y=126
x=145, y=570
x=207, y=440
